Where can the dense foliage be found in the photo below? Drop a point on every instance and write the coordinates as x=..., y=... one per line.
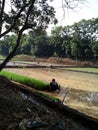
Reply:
x=79, y=41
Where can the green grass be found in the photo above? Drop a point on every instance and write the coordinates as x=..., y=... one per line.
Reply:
x=50, y=97
x=31, y=82
x=90, y=70
x=2, y=57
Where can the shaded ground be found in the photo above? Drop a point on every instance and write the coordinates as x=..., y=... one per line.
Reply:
x=18, y=111
x=79, y=90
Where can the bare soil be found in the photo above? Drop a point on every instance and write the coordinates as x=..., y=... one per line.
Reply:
x=78, y=90
x=17, y=111
x=20, y=111
x=67, y=79
x=58, y=60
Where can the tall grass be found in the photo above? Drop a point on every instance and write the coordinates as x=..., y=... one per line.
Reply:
x=31, y=82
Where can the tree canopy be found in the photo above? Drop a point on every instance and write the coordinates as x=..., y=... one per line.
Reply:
x=27, y=14
x=23, y=15
x=78, y=41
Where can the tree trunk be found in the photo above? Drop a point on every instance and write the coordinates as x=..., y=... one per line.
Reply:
x=1, y=14
x=9, y=57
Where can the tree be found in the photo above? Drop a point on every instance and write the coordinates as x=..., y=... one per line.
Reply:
x=85, y=34
x=26, y=14
x=56, y=40
x=7, y=44
x=25, y=47
x=42, y=46
x=66, y=34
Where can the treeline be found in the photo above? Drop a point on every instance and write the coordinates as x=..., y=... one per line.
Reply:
x=78, y=41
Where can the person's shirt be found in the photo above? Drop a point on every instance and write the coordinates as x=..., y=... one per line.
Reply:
x=53, y=83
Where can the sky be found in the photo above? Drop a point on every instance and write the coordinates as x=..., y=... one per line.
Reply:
x=88, y=10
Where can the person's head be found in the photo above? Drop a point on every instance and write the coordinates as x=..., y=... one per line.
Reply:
x=53, y=80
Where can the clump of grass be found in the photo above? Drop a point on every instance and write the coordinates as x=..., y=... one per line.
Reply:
x=31, y=82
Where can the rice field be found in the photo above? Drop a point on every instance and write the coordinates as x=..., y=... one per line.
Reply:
x=67, y=79
x=82, y=69
x=82, y=87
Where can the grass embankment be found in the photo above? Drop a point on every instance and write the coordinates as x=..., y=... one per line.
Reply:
x=89, y=70
x=31, y=82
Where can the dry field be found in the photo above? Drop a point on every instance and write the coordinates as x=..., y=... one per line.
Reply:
x=79, y=89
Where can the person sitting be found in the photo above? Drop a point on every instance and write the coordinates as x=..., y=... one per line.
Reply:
x=54, y=85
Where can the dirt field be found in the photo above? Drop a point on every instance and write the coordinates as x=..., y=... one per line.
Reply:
x=66, y=79
x=79, y=89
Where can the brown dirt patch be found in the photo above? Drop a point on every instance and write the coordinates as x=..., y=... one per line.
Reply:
x=66, y=79
x=57, y=60
x=18, y=110
x=81, y=88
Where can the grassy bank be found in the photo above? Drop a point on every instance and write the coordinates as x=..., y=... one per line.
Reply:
x=90, y=70
x=31, y=82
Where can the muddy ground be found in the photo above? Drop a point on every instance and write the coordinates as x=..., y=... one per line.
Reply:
x=78, y=90
x=67, y=79
x=20, y=111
